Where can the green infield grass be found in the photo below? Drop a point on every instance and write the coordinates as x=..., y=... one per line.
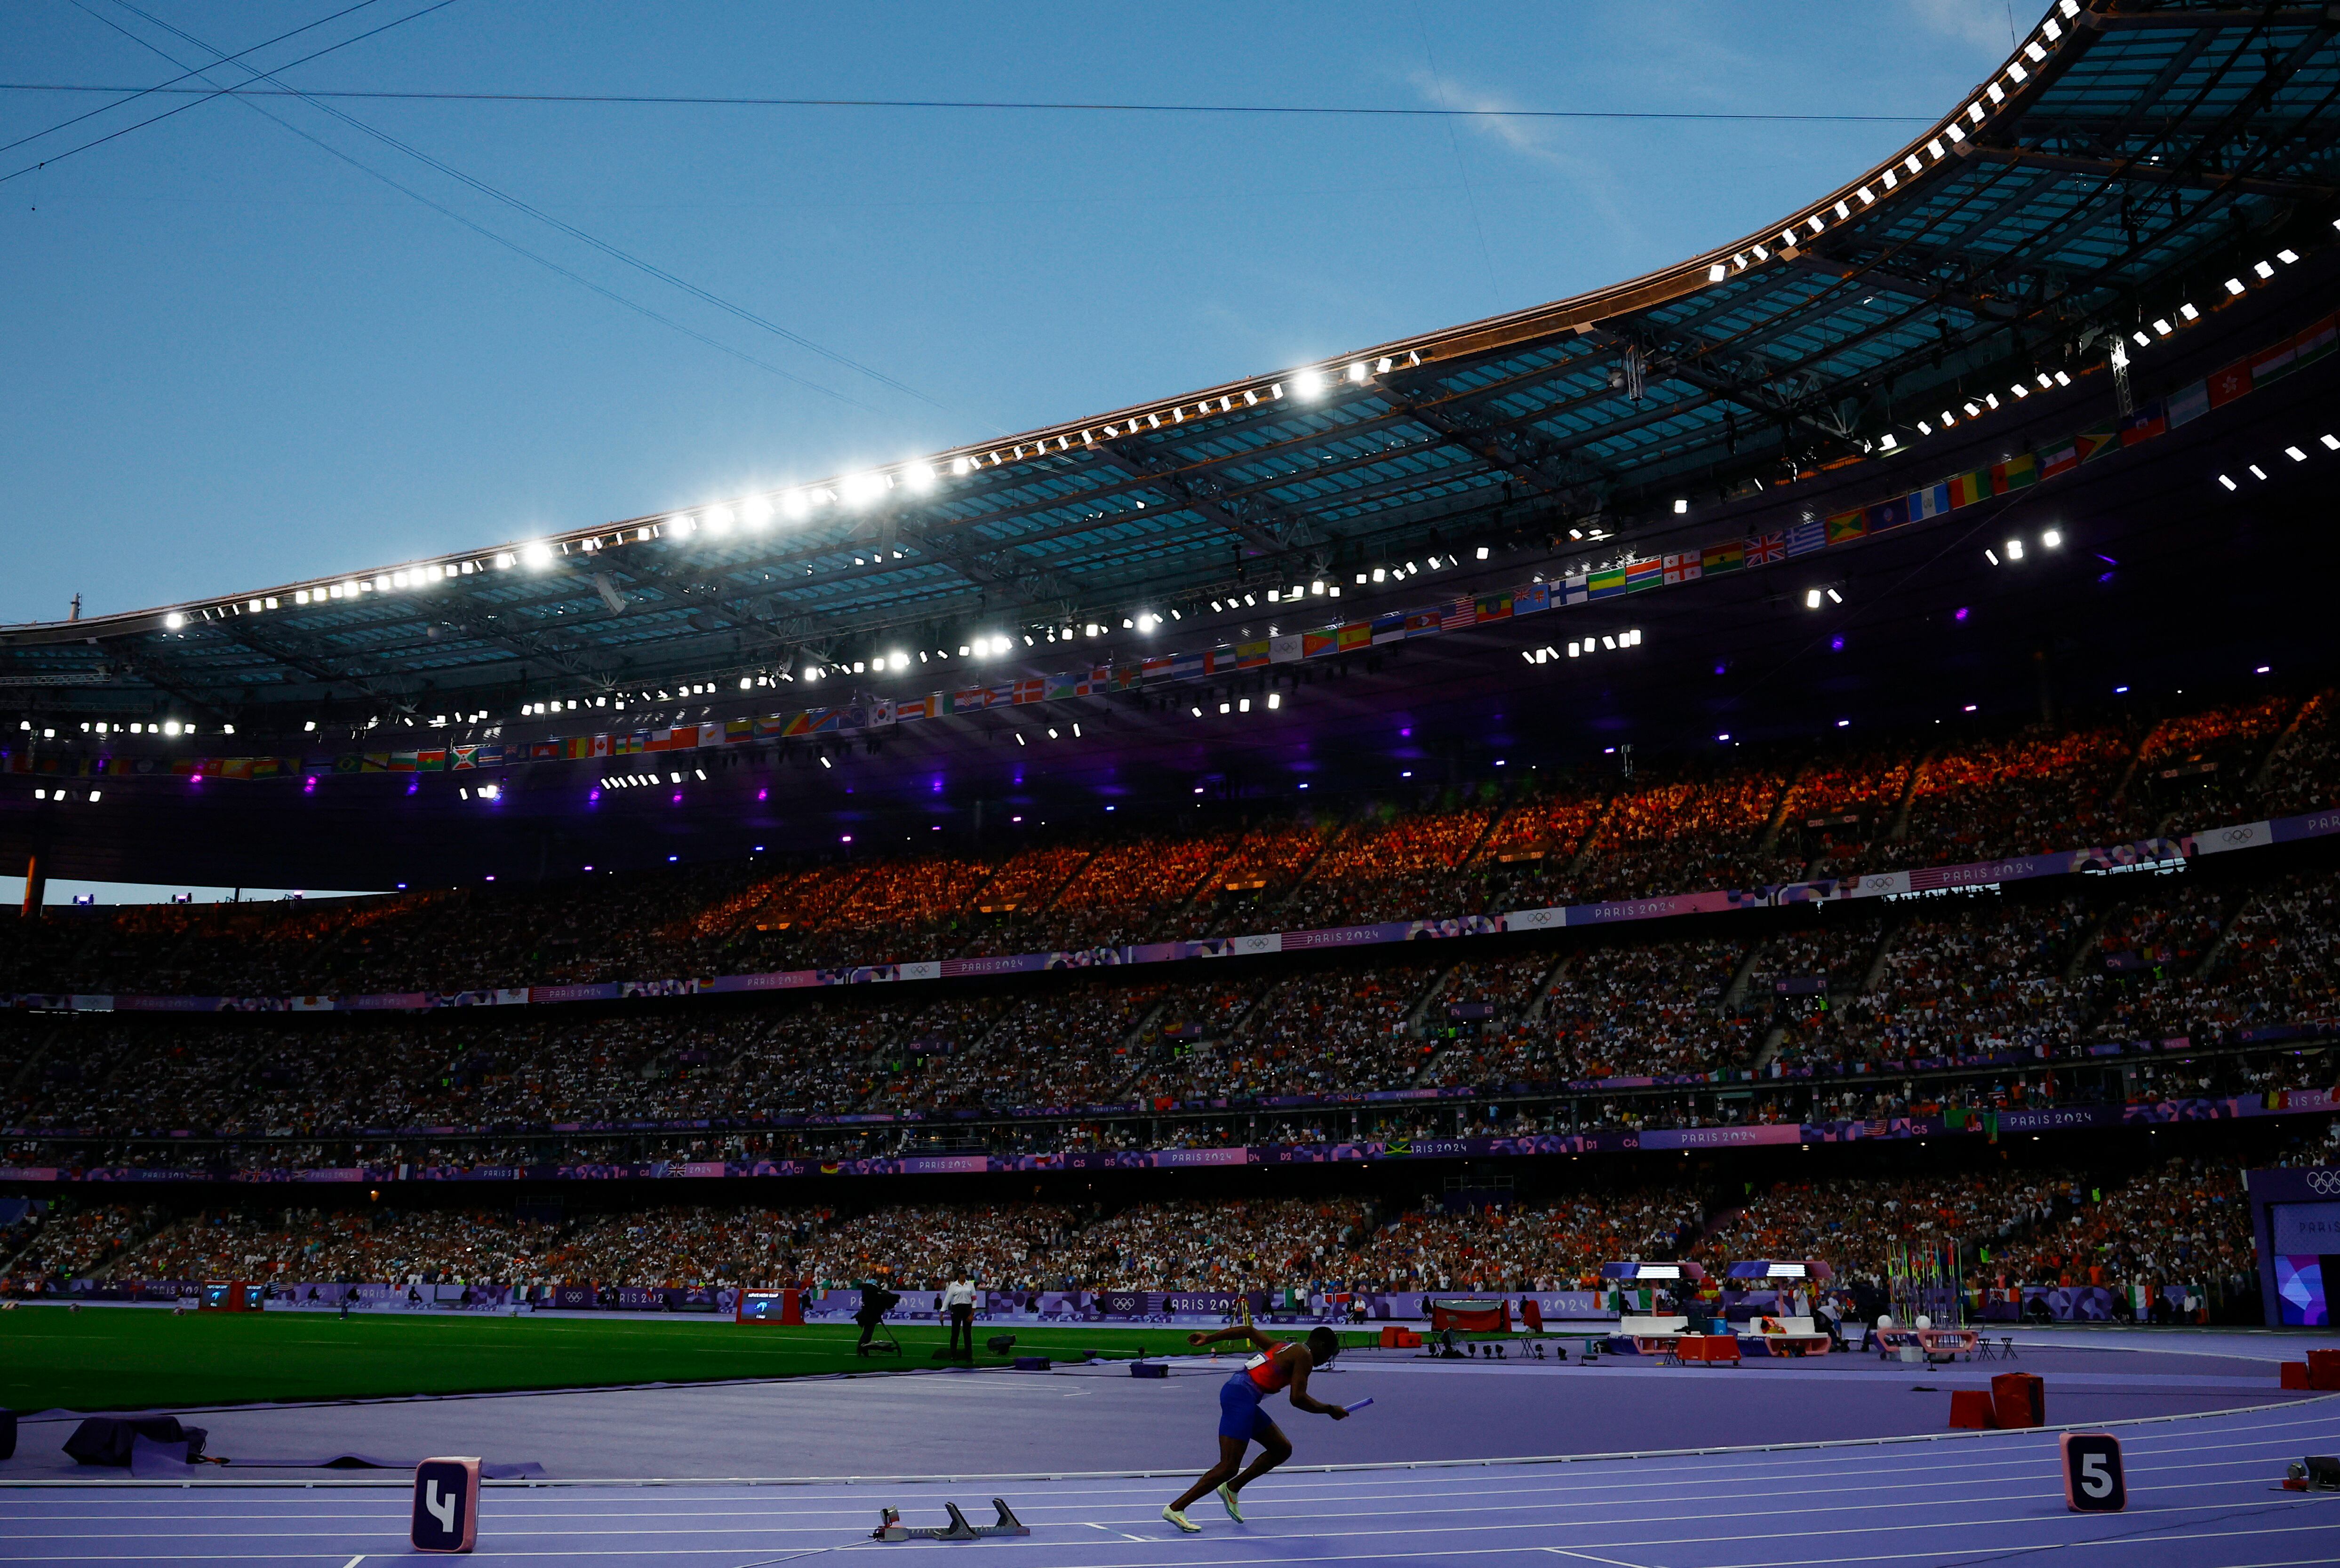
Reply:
x=113, y=1358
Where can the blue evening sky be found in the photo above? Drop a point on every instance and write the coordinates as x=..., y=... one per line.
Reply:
x=234, y=359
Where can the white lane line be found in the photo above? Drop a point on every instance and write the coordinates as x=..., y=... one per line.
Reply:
x=353, y=1561
x=1412, y=1554
x=1109, y=1530
x=1613, y=1561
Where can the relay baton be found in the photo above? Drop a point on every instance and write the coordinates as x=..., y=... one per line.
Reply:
x=1352, y=1409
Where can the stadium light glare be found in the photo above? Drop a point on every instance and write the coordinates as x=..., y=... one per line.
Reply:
x=2234, y=285
x=1276, y=700
x=2256, y=471
x=1682, y=505
x=2293, y=453
x=2053, y=538
x=2263, y=270
x=1834, y=597
x=174, y=620
x=1990, y=555
x=2015, y=550
x=1811, y=599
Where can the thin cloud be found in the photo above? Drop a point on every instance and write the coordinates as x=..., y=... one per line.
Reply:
x=1533, y=139
x=1983, y=22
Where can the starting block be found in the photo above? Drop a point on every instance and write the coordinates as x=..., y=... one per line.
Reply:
x=891, y=1528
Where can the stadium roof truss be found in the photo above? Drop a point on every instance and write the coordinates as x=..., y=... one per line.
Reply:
x=2124, y=155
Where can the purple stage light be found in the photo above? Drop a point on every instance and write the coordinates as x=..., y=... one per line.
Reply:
x=593, y=795
x=762, y=794
x=1836, y=644
x=1961, y=615
x=844, y=838
x=677, y=797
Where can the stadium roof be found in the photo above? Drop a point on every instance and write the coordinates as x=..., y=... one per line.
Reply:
x=2125, y=158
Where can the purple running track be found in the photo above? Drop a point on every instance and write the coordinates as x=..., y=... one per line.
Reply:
x=2203, y=1493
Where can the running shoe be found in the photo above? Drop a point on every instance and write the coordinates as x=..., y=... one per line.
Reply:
x=1181, y=1521
x=1227, y=1497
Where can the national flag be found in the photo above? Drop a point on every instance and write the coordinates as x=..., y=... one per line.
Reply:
x=2062, y=458
x=1186, y=666
x=1805, y=536
x=2226, y=386
x=2187, y=403
x=1766, y=549
x=2015, y=473
x=1966, y=489
x=1885, y=514
x=1846, y=525
x=2144, y=422
x=1252, y=655
x=1532, y=599
x=1682, y=568
x=2272, y=360
x=1495, y=607
x=1219, y=660
x=970, y=700
x=2096, y=441
x=1156, y=668
x=492, y=757
x=659, y=741
x=2315, y=340
x=1716, y=559
x=907, y=711
x=1458, y=613
x=1125, y=676
x=1060, y=687
x=402, y=761
x=431, y=761
x=1641, y=574
x=1425, y=624
x=464, y=757
x=769, y=726
x=234, y=768
x=736, y=730
x=1316, y=644
x=1002, y=694
x=1933, y=500
x=575, y=748
x=1390, y=628
x=1606, y=584
x=1574, y=590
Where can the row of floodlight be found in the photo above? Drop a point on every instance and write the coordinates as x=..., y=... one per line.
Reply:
x=2297, y=453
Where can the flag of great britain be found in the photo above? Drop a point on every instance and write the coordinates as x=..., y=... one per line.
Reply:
x=1766, y=549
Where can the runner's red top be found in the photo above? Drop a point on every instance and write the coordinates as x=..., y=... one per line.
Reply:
x=1267, y=1371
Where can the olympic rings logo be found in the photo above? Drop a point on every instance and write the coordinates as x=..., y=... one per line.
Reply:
x=2324, y=1183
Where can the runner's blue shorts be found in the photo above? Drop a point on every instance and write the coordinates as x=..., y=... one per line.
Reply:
x=1240, y=1416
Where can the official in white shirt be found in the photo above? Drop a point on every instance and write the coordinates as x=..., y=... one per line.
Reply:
x=958, y=1306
